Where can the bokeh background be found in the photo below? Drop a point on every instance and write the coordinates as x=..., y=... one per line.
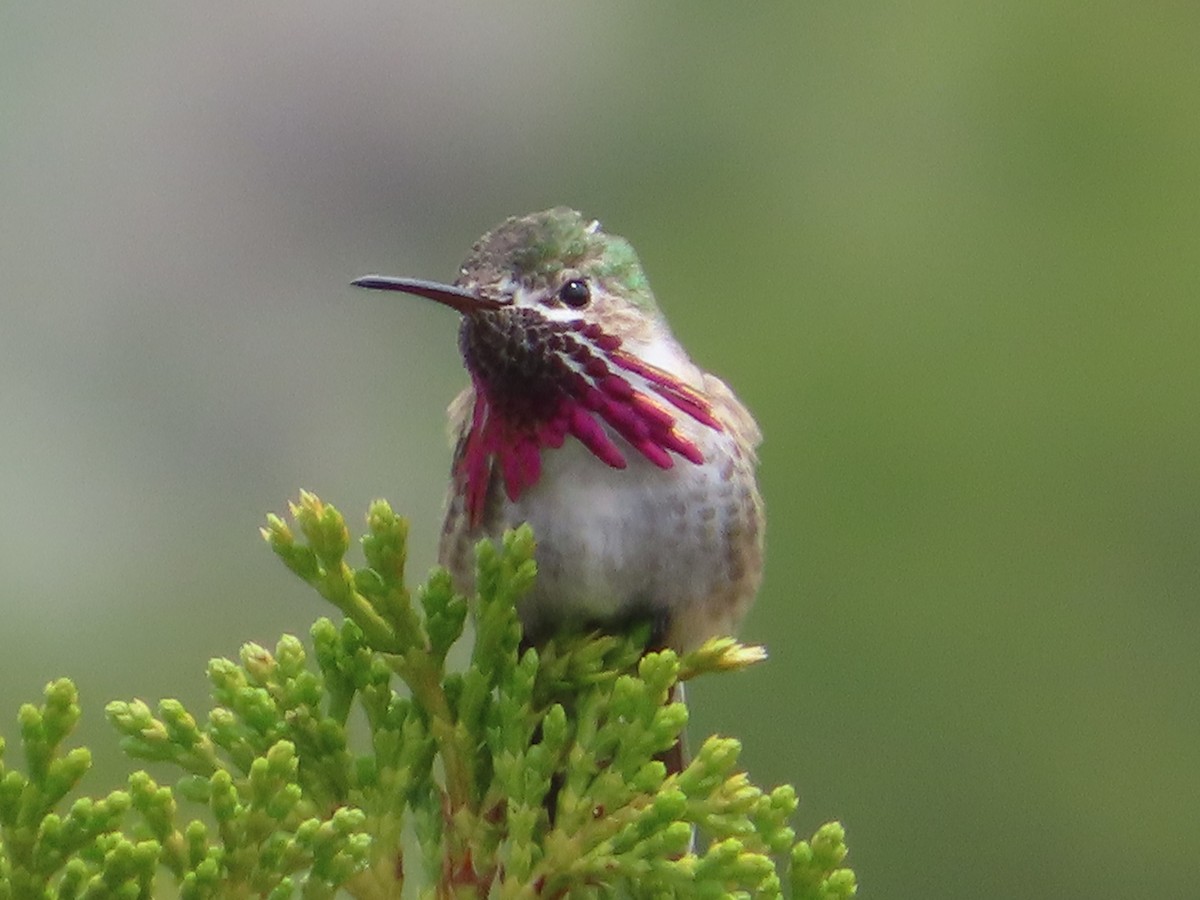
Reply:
x=947, y=253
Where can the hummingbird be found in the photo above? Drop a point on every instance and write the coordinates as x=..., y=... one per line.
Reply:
x=586, y=418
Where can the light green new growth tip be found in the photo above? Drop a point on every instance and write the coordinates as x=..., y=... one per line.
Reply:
x=522, y=775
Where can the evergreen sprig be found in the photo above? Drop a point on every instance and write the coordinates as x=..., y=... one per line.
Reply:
x=528, y=773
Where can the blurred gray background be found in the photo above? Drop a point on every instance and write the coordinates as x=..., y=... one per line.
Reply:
x=947, y=254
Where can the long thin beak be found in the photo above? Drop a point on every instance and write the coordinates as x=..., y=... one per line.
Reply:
x=447, y=294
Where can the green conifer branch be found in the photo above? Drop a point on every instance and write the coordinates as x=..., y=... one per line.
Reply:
x=526, y=774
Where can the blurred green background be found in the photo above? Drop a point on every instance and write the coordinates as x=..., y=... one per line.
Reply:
x=947, y=253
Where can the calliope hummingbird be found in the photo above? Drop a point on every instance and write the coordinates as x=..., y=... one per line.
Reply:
x=588, y=420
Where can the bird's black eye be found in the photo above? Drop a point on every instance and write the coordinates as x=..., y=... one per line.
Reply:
x=575, y=293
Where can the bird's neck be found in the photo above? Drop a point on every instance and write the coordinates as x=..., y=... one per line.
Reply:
x=609, y=399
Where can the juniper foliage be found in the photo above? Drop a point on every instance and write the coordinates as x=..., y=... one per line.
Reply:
x=524, y=774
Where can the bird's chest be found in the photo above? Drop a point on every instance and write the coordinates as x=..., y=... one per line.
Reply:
x=612, y=542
